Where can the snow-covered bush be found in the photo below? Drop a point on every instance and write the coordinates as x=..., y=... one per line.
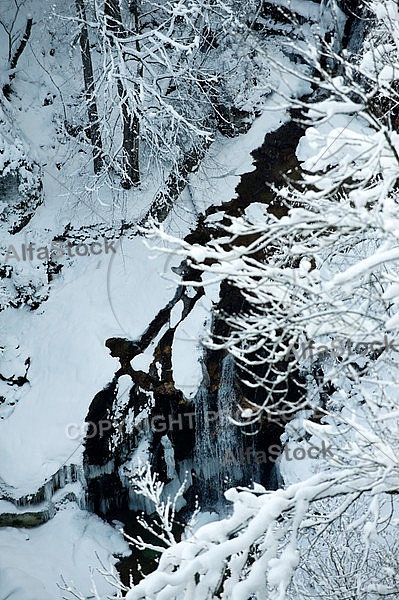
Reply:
x=20, y=184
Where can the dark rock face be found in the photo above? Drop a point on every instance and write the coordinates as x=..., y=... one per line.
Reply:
x=217, y=454
x=103, y=454
x=125, y=350
x=106, y=495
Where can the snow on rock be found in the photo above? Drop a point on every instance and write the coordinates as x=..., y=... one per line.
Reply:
x=69, y=362
x=187, y=350
x=219, y=174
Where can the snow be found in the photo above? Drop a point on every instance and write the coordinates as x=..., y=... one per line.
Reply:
x=187, y=350
x=137, y=286
x=282, y=568
x=310, y=10
x=219, y=173
x=363, y=266
x=93, y=299
x=64, y=349
x=32, y=565
x=118, y=296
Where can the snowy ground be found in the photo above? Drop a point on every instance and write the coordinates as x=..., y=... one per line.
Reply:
x=73, y=547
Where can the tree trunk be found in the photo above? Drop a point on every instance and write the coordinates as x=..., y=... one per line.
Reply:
x=95, y=135
x=130, y=121
x=15, y=58
x=113, y=16
x=131, y=172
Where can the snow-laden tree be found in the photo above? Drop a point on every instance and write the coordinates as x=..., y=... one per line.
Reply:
x=324, y=275
x=336, y=562
x=167, y=77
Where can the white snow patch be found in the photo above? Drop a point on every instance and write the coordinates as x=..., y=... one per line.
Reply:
x=33, y=561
